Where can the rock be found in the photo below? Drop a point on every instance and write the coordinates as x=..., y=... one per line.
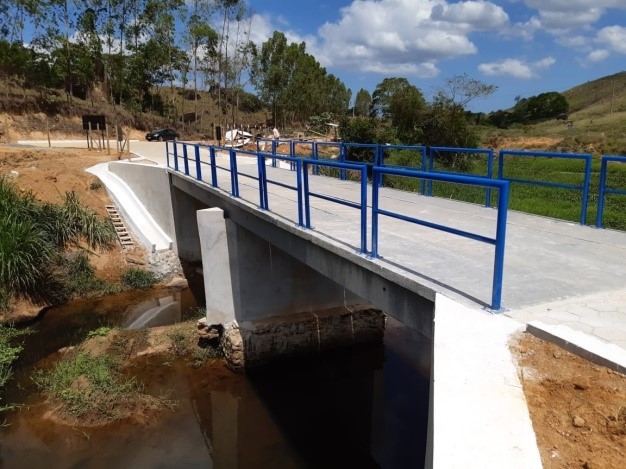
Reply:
x=135, y=260
x=578, y=421
x=13, y=174
x=232, y=345
x=64, y=350
x=177, y=282
x=556, y=355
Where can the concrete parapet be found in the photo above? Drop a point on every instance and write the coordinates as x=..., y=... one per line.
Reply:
x=255, y=343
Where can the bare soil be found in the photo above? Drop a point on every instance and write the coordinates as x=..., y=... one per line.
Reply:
x=578, y=409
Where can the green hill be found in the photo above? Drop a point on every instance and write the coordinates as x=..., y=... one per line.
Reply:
x=596, y=122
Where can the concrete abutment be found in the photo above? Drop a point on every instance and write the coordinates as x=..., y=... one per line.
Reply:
x=274, y=306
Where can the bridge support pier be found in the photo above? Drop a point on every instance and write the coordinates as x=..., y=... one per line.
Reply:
x=272, y=305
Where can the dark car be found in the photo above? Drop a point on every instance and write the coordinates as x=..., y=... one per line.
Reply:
x=162, y=134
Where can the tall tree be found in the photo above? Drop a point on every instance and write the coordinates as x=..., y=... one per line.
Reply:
x=362, y=103
x=381, y=98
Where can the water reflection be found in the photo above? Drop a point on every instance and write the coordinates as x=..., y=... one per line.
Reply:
x=360, y=407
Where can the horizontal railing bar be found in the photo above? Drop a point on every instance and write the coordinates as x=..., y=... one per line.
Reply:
x=447, y=229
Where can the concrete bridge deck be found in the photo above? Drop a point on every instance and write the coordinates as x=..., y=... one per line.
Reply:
x=556, y=272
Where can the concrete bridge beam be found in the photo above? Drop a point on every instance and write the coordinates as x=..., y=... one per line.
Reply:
x=272, y=304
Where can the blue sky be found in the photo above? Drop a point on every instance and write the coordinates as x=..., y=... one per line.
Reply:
x=525, y=47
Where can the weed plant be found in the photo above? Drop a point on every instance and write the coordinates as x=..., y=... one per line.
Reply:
x=8, y=354
x=138, y=279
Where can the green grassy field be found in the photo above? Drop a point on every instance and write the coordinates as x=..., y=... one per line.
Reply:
x=559, y=203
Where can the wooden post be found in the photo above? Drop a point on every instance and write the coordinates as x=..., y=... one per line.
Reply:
x=48, y=131
x=108, y=142
x=127, y=144
x=89, y=136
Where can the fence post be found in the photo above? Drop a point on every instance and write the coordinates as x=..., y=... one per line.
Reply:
x=583, y=215
x=234, y=181
x=198, y=166
x=489, y=176
x=175, y=155
x=498, y=263
x=213, y=167
x=167, y=153
x=185, y=159
x=375, y=184
x=299, y=166
x=600, y=214
x=364, y=209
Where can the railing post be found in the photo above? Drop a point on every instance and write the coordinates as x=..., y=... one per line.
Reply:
x=260, y=162
x=299, y=166
x=600, y=214
x=316, y=156
x=489, y=176
x=198, y=166
x=423, y=185
x=500, y=165
x=364, y=209
x=307, y=202
x=214, y=181
x=342, y=159
x=175, y=145
x=167, y=153
x=498, y=264
x=292, y=154
x=234, y=181
x=274, y=145
x=185, y=159
x=431, y=167
x=583, y=214
x=375, y=184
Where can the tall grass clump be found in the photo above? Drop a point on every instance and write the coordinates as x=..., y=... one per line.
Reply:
x=33, y=234
x=138, y=279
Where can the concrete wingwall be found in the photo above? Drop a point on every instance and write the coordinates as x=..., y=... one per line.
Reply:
x=151, y=185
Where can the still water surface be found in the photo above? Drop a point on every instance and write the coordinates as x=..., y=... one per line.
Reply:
x=357, y=407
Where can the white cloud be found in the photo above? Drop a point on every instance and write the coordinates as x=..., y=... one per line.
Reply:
x=393, y=36
x=614, y=37
x=597, y=55
x=558, y=15
x=516, y=68
x=576, y=42
x=525, y=30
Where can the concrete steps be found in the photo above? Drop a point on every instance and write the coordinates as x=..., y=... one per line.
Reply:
x=120, y=229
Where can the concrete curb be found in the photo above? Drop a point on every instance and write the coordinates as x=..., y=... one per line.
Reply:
x=581, y=344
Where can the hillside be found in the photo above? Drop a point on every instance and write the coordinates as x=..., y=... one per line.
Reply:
x=596, y=122
x=28, y=114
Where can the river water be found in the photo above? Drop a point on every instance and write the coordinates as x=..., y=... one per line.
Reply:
x=357, y=407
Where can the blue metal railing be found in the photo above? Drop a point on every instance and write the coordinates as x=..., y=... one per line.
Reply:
x=433, y=151
x=603, y=189
x=498, y=241
x=305, y=193
x=421, y=149
x=362, y=206
x=537, y=154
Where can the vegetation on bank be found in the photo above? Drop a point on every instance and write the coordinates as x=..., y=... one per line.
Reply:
x=40, y=246
x=9, y=351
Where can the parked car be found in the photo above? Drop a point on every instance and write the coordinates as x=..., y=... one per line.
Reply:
x=162, y=134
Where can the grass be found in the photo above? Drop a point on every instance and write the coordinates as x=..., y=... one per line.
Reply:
x=88, y=384
x=564, y=204
x=9, y=352
x=34, y=235
x=138, y=279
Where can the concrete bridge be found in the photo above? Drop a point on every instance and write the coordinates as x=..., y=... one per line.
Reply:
x=285, y=287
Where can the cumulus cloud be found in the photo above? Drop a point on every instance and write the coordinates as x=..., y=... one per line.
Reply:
x=516, y=68
x=405, y=36
x=614, y=37
x=567, y=14
x=597, y=55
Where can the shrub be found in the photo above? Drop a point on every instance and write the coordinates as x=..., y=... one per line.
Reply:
x=138, y=279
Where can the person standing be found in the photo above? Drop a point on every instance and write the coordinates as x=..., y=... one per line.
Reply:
x=276, y=134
